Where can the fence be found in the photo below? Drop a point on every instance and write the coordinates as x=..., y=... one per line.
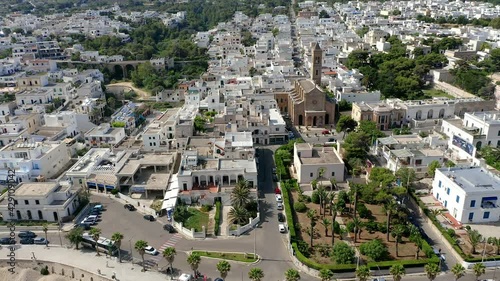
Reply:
x=189, y=233
x=242, y=229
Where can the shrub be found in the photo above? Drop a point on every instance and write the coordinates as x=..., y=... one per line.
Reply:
x=114, y=191
x=206, y=208
x=374, y=249
x=300, y=207
x=285, y=187
x=342, y=253
x=304, y=248
x=218, y=210
x=363, y=211
x=44, y=270
x=304, y=198
x=315, y=197
x=350, y=226
x=371, y=226
x=451, y=232
x=324, y=250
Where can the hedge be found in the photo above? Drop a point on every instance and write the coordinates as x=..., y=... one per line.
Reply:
x=218, y=210
x=285, y=193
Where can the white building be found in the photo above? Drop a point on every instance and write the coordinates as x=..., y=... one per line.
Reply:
x=104, y=134
x=50, y=201
x=470, y=194
x=309, y=160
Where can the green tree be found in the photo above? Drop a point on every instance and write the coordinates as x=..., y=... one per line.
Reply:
x=495, y=242
x=74, y=236
x=356, y=145
x=313, y=217
x=431, y=270
x=479, y=269
x=417, y=239
x=458, y=271
x=325, y=274
x=381, y=177
x=407, y=176
x=194, y=261
x=199, y=124
x=326, y=223
x=363, y=273
x=45, y=229
x=169, y=254
x=432, y=167
x=342, y=253
x=95, y=233
x=397, y=233
x=323, y=14
x=292, y=275
x=223, y=267
x=345, y=124
x=238, y=215
x=112, y=102
x=370, y=129
x=374, y=249
x=256, y=274
x=474, y=239
x=117, y=237
x=140, y=247
x=240, y=195
x=397, y=271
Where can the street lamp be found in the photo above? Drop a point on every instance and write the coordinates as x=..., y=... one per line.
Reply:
x=254, y=241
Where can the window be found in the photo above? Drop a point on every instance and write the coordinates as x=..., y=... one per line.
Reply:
x=311, y=175
x=15, y=202
x=473, y=203
x=486, y=215
x=498, y=132
x=457, y=199
x=26, y=202
x=277, y=129
x=333, y=174
x=439, y=184
x=448, y=191
x=471, y=216
x=37, y=202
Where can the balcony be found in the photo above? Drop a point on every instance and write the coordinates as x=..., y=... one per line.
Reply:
x=489, y=205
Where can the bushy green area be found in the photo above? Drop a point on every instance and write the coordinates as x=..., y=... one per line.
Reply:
x=218, y=211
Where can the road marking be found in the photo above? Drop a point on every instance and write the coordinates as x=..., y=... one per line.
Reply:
x=170, y=243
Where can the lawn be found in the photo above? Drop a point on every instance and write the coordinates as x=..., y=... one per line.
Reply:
x=228, y=256
x=431, y=93
x=196, y=220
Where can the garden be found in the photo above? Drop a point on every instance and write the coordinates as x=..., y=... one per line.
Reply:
x=191, y=217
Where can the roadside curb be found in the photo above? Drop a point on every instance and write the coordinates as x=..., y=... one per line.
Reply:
x=229, y=260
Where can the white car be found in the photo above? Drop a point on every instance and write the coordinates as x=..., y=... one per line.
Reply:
x=151, y=251
x=185, y=277
x=279, y=199
x=282, y=228
x=280, y=206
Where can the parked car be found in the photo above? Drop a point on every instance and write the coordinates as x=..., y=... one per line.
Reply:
x=129, y=207
x=274, y=170
x=280, y=206
x=28, y=241
x=151, y=251
x=218, y=279
x=95, y=212
x=279, y=199
x=41, y=241
x=92, y=220
x=149, y=218
x=325, y=132
x=169, y=228
x=26, y=234
x=332, y=140
x=281, y=217
x=282, y=228
x=185, y=277
x=98, y=207
x=275, y=178
x=7, y=241
x=85, y=226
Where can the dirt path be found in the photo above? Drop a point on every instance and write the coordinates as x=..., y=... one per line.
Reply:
x=141, y=93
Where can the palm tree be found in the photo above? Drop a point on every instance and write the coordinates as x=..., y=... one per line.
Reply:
x=45, y=229
x=397, y=271
x=397, y=233
x=292, y=275
x=326, y=223
x=479, y=269
x=117, y=237
x=140, y=247
x=436, y=212
x=238, y=215
x=357, y=228
x=431, y=270
x=325, y=274
x=322, y=198
x=494, y=242
x=458, y=270
x=223, y=267
x=363, y=273
x=256, y=274
x=312, y=215
x=389, y=206
x=241, y=194
x=333, y=183
x=331, y=201
x=95, y=233
x=75, y=236
x=416, y=238
x=169, y=254
x=194, y=261
x=474, y=239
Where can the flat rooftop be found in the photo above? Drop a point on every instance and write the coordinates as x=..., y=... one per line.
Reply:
x=133, y=165
x=473, y=179
x=322, y=156
x=35, y=188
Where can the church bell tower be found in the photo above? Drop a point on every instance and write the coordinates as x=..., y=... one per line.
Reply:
x=317, y=56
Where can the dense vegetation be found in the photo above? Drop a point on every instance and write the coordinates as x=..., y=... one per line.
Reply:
x=495, y=23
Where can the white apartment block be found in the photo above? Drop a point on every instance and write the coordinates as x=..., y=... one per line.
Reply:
x=104, y=135
x=160, y=133
x=469, y=193
x=308, y=161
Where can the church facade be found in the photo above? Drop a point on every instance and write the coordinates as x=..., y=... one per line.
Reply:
x=308, y=104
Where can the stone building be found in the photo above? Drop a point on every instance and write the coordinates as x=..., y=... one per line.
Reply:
x=308, y=104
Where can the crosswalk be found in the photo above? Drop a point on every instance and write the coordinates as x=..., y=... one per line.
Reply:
x=153, y=261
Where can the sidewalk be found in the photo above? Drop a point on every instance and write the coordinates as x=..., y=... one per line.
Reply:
x=85, y=260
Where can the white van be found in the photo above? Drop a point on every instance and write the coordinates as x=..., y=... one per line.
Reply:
x=186, y=277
